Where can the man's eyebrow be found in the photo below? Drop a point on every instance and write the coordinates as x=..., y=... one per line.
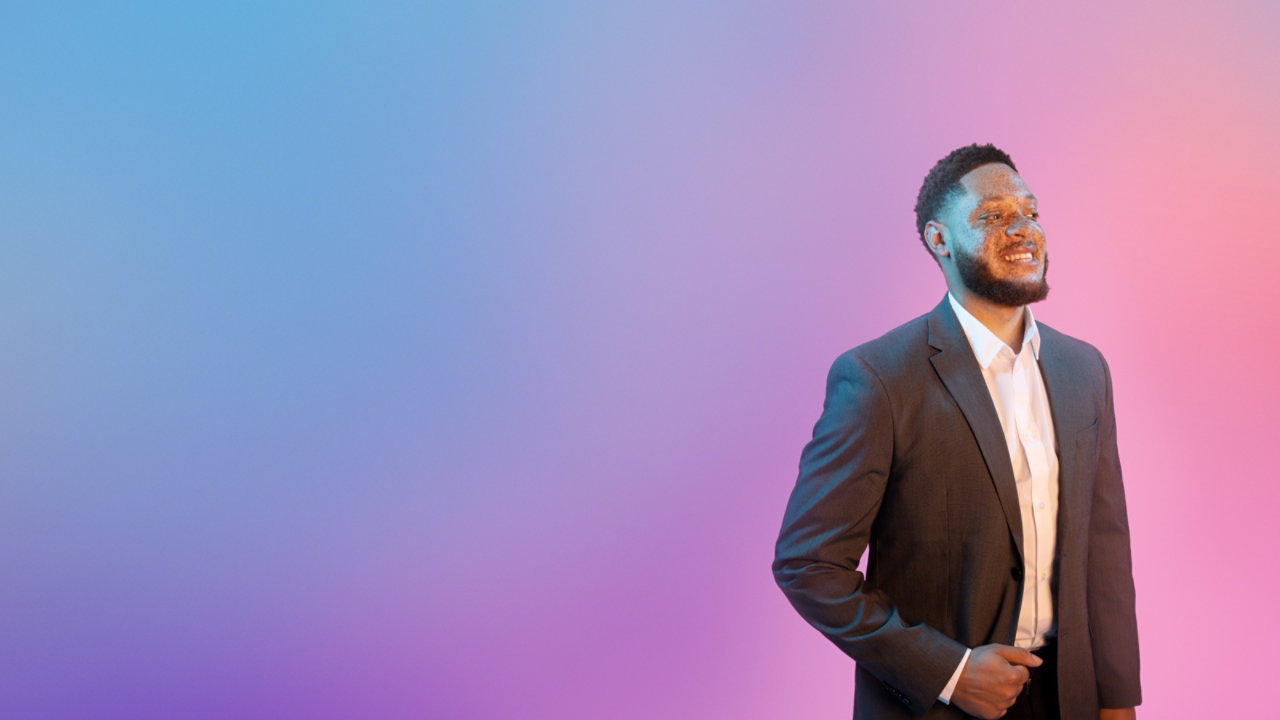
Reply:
x=1006, y=198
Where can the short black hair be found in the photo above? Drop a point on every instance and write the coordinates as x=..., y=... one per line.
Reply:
x=943, y=180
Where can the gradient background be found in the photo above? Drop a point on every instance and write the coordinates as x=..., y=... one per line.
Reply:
x=427, y=360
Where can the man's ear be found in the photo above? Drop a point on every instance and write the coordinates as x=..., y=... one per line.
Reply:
x=935, y=234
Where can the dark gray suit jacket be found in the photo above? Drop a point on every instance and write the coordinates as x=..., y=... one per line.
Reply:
x=909, y=459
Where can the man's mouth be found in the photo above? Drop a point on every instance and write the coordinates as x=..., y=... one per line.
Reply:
x=1020, y=256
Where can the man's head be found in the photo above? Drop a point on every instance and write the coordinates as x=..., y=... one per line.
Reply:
x=979, y=221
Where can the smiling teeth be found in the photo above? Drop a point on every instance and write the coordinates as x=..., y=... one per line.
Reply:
x=1018, y=256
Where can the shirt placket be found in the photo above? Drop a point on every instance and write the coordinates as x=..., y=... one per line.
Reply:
x=1031, y=438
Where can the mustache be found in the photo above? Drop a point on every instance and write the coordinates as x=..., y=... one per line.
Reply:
x=1032, y=245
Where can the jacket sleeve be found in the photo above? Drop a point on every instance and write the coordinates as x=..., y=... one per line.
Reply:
x=1112, y=618
x=843, y=474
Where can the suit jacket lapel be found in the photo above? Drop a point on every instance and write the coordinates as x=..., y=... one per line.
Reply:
x=961, y=375
x=1072, y=411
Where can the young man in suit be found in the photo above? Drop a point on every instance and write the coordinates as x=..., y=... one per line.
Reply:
x=973, y=451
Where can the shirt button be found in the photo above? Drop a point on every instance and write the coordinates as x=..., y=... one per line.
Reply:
x=1041, y=505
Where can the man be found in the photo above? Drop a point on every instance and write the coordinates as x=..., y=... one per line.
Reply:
x=974, y=451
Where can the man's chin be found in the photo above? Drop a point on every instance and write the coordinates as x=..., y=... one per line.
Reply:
x=978, y=277
x=1011, y=294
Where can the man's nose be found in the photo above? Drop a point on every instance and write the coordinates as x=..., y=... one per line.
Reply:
x=1023, y=227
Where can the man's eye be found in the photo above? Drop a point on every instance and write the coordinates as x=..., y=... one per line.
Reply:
x=1034, y=215
x=990, y=217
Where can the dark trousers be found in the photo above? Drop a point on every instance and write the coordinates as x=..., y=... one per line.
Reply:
x=1039, y=699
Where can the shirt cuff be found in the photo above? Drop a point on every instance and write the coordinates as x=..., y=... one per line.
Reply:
x=945, y=695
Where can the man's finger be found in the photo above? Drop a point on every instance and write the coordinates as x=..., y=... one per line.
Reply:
x=1018, y=656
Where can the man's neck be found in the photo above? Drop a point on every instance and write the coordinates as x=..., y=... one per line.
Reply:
x=1003, y=321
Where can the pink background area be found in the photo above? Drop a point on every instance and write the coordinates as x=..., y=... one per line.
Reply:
x=454, y=362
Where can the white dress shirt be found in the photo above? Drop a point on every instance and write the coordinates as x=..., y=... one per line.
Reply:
x=1018, y=393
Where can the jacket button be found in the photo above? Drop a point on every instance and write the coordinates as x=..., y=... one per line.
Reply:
x=1016, y=572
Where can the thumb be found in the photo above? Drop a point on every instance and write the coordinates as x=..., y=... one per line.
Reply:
x=1018, y=656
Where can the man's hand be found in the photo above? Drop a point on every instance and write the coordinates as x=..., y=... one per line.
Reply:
x=1120, y=714
x=992, y=679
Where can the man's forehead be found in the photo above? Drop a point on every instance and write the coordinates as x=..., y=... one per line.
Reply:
x=994, y=181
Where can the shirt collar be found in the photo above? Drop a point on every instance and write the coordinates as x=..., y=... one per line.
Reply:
x=984, y=342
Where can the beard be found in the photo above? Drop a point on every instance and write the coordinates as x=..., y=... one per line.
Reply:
x=976, y=274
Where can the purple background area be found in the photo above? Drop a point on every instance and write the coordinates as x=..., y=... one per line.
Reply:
x=454, y=361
